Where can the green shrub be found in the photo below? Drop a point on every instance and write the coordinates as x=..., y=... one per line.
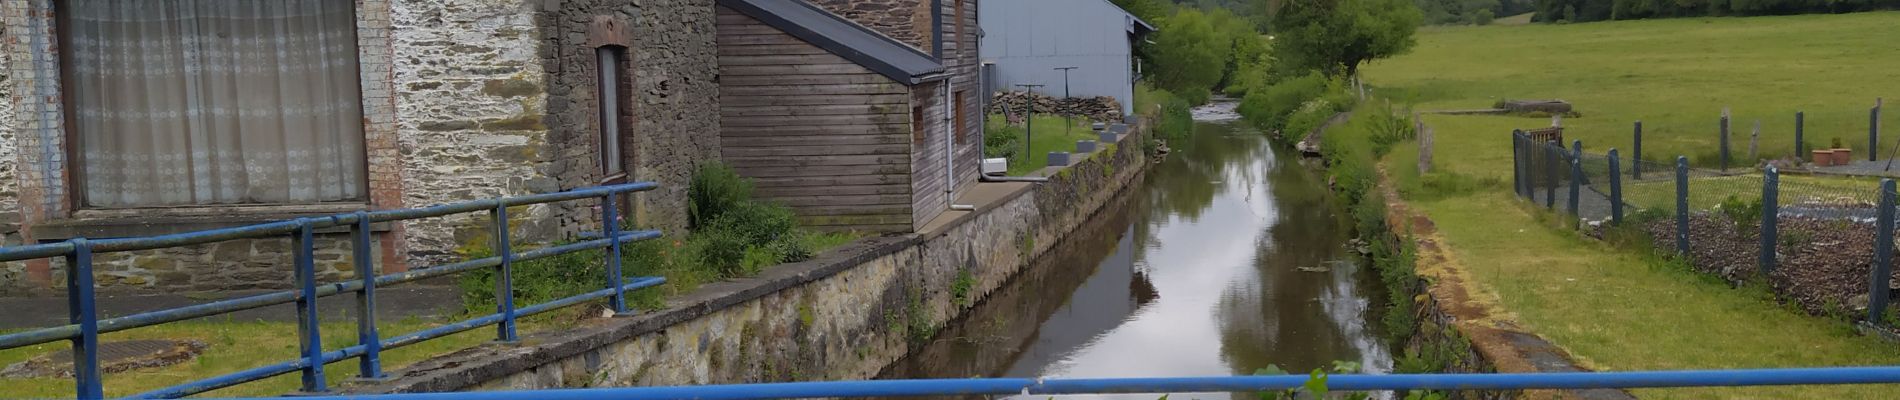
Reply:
x=1270, y=109
x=1000, y=139
x=1176, y=120
x=714, y=189
x=1745, y=214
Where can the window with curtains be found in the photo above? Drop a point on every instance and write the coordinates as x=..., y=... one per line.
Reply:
x=201, y=102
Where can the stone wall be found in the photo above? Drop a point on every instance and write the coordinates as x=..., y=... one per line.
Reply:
x=471, y=105
x=674, y=98
x=907, y=21
x=844, y=315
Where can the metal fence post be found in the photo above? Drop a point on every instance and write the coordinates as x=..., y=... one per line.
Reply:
x=307, y=323
x=81, y=310
x=1576, y=186
x=1770, y=210
x=1725, y=140
x=1517, y=162
x=370, y=366
x=1682, y=205
x=610, y=217
x=1616, y=189
x=1873, y=134
x=1636, y=154
x=1800, y=144
x=504, y=279
x=1877, y=286
x=1552, y=153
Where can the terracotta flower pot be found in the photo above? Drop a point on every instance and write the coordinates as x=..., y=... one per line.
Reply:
x=1823, y=158
x=1843, y=156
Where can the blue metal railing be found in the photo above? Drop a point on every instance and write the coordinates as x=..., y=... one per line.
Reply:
x=1033, y=386
x=85, y=326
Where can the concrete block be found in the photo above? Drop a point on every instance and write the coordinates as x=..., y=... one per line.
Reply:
x=995, y=166
x=1084, y=146
x=1058, y=159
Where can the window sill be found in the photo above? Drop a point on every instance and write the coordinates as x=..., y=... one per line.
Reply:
x=141, y=222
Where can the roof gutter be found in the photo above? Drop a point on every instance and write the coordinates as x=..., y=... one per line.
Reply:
x=930, y=77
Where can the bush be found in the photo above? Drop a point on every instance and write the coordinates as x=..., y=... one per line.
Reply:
x=1272, y=108
x=714, y=189
x=1000, y=140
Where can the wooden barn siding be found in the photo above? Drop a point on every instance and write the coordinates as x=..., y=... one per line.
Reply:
x=964, y=61
x=961, y=61
x=814, y=131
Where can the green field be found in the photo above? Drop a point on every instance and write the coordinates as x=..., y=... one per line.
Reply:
x=1675, y=75
x=1619, y=308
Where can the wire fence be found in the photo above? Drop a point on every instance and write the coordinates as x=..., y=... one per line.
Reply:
x=1823, y=242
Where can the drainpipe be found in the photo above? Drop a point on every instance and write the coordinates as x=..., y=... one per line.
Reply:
x=949, y=142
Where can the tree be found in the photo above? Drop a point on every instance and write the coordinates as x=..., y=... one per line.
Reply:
x=1189, y=55
x=1337, y=36
x=1152, y=11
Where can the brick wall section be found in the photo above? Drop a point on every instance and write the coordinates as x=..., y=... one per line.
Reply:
x=674, y=98
x=907, y=21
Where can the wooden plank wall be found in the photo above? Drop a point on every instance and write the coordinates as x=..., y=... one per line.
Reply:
x=823, y=135
x=933, y=194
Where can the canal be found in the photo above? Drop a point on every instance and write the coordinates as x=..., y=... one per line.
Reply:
x=1226, y=258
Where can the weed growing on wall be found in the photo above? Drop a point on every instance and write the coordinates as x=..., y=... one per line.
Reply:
x=732, y=235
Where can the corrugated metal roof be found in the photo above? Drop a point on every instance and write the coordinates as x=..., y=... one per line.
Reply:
x=840, y=36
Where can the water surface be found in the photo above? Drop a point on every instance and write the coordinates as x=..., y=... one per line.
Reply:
x=1226, y=258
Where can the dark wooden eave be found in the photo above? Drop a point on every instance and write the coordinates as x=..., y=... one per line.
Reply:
x=840, y=36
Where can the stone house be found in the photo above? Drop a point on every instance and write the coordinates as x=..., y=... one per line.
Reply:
x=138, y=118
x=859, y=114
x=135, y=118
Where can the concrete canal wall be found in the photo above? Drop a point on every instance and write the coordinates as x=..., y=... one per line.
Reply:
x=844, y=315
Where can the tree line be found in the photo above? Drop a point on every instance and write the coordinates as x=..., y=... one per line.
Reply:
x=1561, y=11
x=1288, y=60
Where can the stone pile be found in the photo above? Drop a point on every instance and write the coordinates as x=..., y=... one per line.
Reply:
x=1100, y=108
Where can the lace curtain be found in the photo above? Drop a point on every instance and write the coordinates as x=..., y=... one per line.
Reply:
x=184, y=102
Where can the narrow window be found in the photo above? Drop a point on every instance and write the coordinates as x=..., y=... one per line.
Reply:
x=917, y=124
x=607, y=93
x=198, y=102
x=960, y=30
x=963, y=117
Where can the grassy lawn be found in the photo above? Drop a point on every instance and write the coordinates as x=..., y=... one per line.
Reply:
x=239, y=345
x=1051, y=133
x=1618, y=310
x=1675, y=75
x=1622, y=309
x=235, y=346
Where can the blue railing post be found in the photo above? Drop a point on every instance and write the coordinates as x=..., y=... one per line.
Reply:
x=1800, y=144
x=1877, y=287
x=370, y=366
x=311, y=340
x=610, y=218
x=1682, y=205
x=1552, y=153
x=1616, y=189
x=1636, y=153
x=1770, y=207
x=81, y=310
x=504, y=280
x=1725, y=140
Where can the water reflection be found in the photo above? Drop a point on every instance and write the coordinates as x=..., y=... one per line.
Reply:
x=1230, y=257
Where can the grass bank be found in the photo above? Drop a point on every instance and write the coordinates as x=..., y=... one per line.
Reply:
x=1625, y=308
